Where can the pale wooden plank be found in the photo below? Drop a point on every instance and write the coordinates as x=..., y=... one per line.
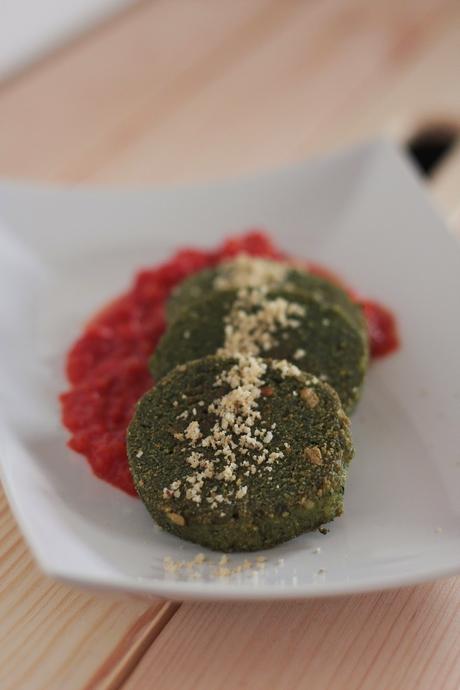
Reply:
x=289, y=94
x=406, y=639
x=54, y=637
x=80, y=107
x=207, y=94
x=402, y=100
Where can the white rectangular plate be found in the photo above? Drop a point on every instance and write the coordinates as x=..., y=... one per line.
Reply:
x=63, y=253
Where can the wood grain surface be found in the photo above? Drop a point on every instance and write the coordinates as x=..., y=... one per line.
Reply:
x=403, y=639
x=179, y=90
x=52, y=636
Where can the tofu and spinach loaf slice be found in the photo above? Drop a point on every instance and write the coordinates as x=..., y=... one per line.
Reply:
x=240, y=454
x=318, y=336
x=246, y=271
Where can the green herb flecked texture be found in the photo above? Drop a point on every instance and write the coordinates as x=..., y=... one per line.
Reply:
x=199, y=285
x=301, y=492
x=334, y=347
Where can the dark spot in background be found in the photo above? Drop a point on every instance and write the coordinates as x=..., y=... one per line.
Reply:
x=430, y=145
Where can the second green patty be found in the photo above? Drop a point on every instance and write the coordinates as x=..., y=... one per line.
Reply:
x=244, y=271
x=325, y=341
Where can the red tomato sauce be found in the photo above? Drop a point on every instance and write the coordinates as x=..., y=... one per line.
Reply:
x=382, y=328
x=107, y=366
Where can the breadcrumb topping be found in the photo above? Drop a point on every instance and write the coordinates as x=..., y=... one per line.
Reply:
x=221, y=567
x=254, y=321
x=238, y=432
x=192, y=432
x=248, y=271
x=286, y=368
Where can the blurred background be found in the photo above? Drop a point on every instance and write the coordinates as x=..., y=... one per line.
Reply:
x=165, y=91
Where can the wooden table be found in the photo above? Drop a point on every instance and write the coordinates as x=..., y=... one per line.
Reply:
x=177, y=90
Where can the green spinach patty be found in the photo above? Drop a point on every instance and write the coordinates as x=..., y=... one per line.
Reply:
x=318, y=336
x=246, y=271
x=240, y=453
